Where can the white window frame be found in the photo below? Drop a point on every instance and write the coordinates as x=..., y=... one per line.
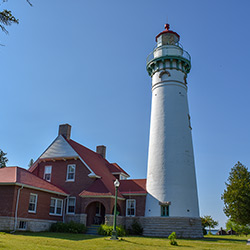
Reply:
x=35, y=203
x=74, y=205
x=55, y=209
x=127, y=208
x=68, y=167
x=23, y=224
x=123, y=177
x=47, y=173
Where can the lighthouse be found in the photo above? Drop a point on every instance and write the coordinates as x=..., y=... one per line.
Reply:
x=171, y=179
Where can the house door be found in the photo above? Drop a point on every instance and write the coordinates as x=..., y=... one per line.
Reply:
x=95, y=213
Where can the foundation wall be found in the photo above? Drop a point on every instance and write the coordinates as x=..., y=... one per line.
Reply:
x=162, y=227
x=78, y=218
x=34, y=225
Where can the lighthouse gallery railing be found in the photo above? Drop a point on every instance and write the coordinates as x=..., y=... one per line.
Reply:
x=169, y=50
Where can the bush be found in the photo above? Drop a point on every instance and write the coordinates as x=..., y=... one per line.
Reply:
x=107, y=230
x=71, y=227
x=172, y=238
x=136, y=228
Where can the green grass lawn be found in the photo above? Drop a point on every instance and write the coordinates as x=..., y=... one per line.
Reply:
x=37, y=241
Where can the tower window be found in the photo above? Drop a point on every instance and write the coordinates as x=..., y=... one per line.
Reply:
x=189, y=122
x=47, y=173
x=164, y=210
x=71, y=169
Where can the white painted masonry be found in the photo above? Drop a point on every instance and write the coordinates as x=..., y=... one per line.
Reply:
x=171, y=174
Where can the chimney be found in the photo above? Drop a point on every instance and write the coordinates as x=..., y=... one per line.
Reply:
x=101, y=150
x=64, y=130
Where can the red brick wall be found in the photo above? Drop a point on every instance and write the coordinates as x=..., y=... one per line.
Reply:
x=7, y=200
x=43, y=205
x=140, y=204
x=58, y=177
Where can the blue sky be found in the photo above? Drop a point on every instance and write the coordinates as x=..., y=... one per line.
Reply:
x=84, y=63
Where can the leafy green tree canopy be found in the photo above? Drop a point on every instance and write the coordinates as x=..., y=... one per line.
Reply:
x=239, y=229
x=3, y=159
x=236, y=196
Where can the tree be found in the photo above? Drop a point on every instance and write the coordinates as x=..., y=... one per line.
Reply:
x=3, y=159
x=31, y=163
x=236, y=196
x=7, y=19
x=208, y=221
x=240, y=229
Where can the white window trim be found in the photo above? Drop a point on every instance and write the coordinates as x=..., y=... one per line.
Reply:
x=68, y=205
x=33, y=211
x=127, y=207
x=55, y=214
x=123, y=177
x=71, y=165
x=47, y=173
x=22, y=228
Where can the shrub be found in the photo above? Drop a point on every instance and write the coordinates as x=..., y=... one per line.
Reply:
x=121, y=231
x=136, y=228
x=172, y=238
x=71, y=227
x=107, y=230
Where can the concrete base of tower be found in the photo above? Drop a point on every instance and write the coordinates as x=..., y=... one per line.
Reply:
x=163, y=226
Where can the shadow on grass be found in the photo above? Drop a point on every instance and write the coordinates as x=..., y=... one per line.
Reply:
x=150, y=245
x=62, y=236
x=222, y=239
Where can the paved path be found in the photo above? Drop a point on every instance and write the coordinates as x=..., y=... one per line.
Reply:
x=248, y=242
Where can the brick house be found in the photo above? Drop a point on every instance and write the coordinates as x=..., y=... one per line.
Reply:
x=27, y=201
x=68, y=182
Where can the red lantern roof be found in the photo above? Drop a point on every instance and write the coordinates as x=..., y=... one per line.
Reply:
x=167, y=30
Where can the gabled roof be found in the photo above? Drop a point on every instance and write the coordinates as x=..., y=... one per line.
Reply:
x=115, y=168
x=96, y=189
x=134, y=186
x=62, y=148
x=20, y=176
x=59, y=148
x=99, y=166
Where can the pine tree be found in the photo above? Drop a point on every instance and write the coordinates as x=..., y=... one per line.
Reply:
x=3, y=159
x=31, y=163
x=6, y=18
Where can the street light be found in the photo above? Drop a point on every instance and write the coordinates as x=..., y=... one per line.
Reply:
x=114, y=233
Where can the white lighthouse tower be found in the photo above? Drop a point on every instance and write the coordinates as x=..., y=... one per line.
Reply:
x=171, y=178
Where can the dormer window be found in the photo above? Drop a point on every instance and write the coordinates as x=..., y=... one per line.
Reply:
x=47, y=173
x=123, y=177
x=71, y=169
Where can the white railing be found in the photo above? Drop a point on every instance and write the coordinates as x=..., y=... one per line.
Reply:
x=168, y=50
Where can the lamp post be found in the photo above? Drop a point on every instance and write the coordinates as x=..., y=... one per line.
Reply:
x=114, y=233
